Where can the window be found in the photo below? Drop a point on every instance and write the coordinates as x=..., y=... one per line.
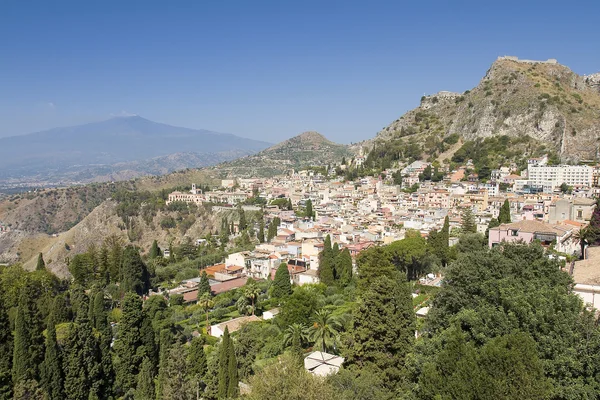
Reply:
x=579, y=213
x=514, y=232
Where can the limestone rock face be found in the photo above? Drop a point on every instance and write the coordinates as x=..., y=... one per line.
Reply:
x=543, y=100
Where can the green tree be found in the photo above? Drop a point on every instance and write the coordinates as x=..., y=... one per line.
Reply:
x=6, y=354
x=373, y=263
x=154, y=251
x=383, y=329
x=166, y=341
x=203, y=285
x=205, y=301
x=40, y=263
x=177, y=386
x=272, y=231
x=135, y=277
x=242, y=225
x=284, y=379
x=295, y=336
x=325, y=330
x=261, y=232
x=344, y=268
x=145, y=381
x=585, y=236
x=468, y=221
x=52, y=370
x=309, y=213
x=251, y=291
x=98, y=314
x=232, y=372
x=127, y=359
x=504, y=216
x=28, y=349
x=409, y=255
x=327, y=263
x=282, y=286
x=224, y=364
x=197, y=361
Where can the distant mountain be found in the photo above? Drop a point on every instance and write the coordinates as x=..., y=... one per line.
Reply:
x=65, y=152
x=528, y=107
x=304, y=150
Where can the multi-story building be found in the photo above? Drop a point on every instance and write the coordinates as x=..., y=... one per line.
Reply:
x=555, y=175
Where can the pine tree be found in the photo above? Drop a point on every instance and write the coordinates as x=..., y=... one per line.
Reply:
x=504, y=216
x=232, y=372
x=127, y=360
x=52, y=371
x=6, y=354
x=223, y=376
x=468, y=221
x=145, y=381
x=103, y=264
x=261, y=232
x=203, y=285
x=154, y=251
x=282, y=286
x=383, y=329
x=41, y=265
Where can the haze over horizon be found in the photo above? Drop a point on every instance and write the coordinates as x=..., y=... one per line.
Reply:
x=265, y=70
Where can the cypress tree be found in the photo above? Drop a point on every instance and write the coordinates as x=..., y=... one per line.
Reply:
x=203, y=285
x=232, y=372
x=61, y=311
x=326, y=263
x=6, y=354
x=344, y=266
x=103, y=265
x=468, y=221
x=281, y=284
x=504, y=216
x=108, y=373
x=176, y=384
x=272, y=231
x=145, y=381
x=133, y=272
x=197, y=359
x=242, y=215
x=223, y=376
x=154, y=250
x=165, y=342
x=148, y=340
x=290, y=207
x=28, y=350
x=261, y=232
x=52, y=372
x=99, y=312
x=127, y=360
x=40, y=263
x=309, y=209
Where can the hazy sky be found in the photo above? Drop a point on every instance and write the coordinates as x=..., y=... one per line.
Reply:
x=267, y=69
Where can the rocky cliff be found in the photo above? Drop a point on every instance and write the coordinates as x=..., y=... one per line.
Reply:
x=545, y=101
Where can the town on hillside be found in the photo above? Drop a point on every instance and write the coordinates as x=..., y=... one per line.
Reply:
x=548, y=204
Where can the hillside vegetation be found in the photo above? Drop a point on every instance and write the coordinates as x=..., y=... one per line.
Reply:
x=547, y=106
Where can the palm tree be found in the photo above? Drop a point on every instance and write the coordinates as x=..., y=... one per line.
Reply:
x=206, y=302
x=251, y=291
x=295, y=335
x=585, y=236
x=325, y=330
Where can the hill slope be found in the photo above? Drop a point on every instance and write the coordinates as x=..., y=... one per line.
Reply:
x=543, y=105
x=85, y=151
x=304, y=150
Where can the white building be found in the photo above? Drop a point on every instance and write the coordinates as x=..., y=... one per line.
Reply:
x=556, y=175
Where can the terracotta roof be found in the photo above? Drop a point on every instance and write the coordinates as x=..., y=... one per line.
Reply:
x=533, y=226
x=228, y=285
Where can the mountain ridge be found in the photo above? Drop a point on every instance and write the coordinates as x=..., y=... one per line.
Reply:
x=541, y=100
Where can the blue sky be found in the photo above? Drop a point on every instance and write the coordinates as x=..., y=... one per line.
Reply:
x=267, y=69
